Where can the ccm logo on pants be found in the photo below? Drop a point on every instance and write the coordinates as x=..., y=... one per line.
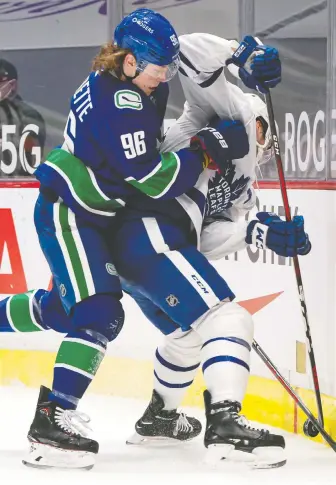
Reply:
x=200, y=284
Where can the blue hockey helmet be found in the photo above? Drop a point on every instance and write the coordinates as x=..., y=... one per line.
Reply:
x=152, y=40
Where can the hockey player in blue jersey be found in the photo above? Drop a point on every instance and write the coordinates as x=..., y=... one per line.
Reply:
x=109, y=154
x=55, y=320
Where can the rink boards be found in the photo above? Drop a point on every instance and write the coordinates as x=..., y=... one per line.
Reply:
x=264, y=284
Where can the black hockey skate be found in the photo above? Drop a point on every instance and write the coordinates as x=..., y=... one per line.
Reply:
x=57, y=437
x=227, y=431
x=159, y=424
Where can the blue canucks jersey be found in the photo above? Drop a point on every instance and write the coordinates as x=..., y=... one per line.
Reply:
x=110, y=151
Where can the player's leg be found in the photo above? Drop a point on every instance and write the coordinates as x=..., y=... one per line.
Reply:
x=227, y=333
x=34, y=311
x=174, y=372
x=177, y=357
x=180, y=281
x=19, y=313
x=90, y=292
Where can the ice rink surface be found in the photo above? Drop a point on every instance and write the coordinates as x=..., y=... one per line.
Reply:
x=117, y=463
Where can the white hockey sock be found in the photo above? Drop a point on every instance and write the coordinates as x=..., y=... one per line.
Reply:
x=227, y=333
x=175, y=366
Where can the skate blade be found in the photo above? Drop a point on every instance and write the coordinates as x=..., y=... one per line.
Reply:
x=260, y=458
x=269, y=457
x=46, y=456
x=135, y=439
x=139, y=440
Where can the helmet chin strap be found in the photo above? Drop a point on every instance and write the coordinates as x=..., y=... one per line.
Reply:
x=130, y=78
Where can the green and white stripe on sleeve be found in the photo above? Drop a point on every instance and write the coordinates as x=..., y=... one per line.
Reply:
x=161, y=178
x=82, y=183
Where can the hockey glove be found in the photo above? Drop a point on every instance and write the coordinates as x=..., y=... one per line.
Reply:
x=266, y=66
x=284, y=238
x=259, y=65
x=222, y=141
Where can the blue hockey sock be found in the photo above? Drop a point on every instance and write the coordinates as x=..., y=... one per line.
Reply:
x=96, y=321
x=77, y=362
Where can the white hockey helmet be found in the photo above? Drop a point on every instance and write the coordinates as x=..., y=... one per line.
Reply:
x=264, y=151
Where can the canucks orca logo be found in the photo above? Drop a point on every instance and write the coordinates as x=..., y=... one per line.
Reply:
x=224, y=190
x=125, y=98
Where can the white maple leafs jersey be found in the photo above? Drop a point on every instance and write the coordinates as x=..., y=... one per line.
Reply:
x=221, y=227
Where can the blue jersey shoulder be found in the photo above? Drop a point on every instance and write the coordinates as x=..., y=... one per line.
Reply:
x=104, y=111
x=125, y=99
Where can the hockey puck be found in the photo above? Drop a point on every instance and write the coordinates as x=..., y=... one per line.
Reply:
x=309, y=429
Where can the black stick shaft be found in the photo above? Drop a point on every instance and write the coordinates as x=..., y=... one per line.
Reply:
x=283, y=189
x=267, y=361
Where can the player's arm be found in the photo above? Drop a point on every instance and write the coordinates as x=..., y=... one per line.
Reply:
x=230, y=232
x=225, y=233
x=204, y=53
x=204, y=83
x=203, y=58
x=193, y=119
x=129, y=143
x=257, y=65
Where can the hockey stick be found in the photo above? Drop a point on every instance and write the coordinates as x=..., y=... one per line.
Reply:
x=264, y=357
x=295, y=258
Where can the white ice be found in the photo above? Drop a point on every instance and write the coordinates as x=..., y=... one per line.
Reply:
x=117, y=463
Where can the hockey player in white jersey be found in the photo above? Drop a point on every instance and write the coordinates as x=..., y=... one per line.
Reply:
x=176, y=287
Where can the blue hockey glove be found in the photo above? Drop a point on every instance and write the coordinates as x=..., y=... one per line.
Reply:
x=284, y=238
x=264, y=71
x=221, y=141
x=266, y=66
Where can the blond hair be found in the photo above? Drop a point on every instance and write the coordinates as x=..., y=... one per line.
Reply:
x=110, y=58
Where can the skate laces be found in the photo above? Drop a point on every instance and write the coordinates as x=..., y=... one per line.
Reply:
x=243, y=421
x=73, y=422
x=182, y=425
